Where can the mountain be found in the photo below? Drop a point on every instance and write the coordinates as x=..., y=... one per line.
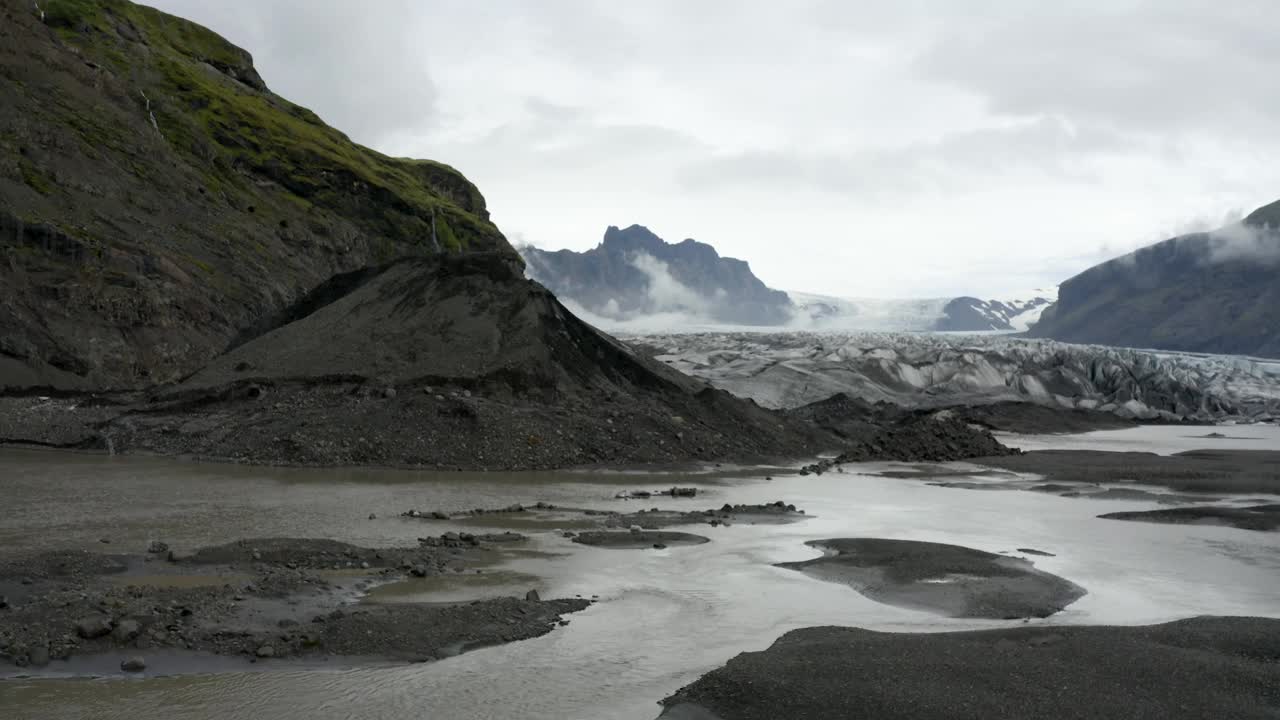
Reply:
x=633, y=273
x=193, y=265
x=969, y=314
x=156, y=197
x=1215, y=292
x=960, y=314
x=449, y=361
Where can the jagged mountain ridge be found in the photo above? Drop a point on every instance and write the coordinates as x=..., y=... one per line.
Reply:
x=156, y=197
x=634, y=276
x=1215, y=292
x=633, y=272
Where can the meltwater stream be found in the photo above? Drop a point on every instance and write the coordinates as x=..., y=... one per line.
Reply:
x=664, y=617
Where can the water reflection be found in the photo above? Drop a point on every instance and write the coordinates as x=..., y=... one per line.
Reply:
x=664, y=616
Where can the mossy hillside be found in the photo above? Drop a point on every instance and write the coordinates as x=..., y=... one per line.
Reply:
x=156, y=197
x=208, y=101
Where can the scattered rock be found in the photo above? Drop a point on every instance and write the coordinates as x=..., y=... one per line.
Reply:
x=126, y=630
x=39, y=656
x=133, y=664
x=157, y=547
x=93, y=627
x=266, y=651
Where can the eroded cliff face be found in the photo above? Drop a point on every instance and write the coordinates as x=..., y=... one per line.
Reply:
x=156, y=198
x=1216, y=292
x=633, y=272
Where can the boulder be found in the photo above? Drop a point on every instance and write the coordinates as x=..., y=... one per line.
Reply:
x=126, y=630
x=39, y=656
x=133, y=664
x=93, y=627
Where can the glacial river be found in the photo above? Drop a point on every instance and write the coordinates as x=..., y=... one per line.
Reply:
x=664, y=617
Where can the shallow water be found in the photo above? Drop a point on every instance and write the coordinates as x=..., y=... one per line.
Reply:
x=1159, y=439
x=664, y=617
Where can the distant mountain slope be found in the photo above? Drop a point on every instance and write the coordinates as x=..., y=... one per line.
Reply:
x=1215, y=292
x=961, y=314
x=156, y=197
x=633, y=273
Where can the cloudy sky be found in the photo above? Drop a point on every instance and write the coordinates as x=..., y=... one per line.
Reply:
x=917, y=148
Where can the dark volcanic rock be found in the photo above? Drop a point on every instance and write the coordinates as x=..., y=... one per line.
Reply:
x=623, y=276
x=1213, y=292
x=520, y=381
x=1186, y=670
x=1033, y=419
x=93, y=627
x=888, y=432
x=927, y=439
x=947, y=579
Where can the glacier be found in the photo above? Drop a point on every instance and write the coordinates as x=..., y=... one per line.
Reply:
x=1016, y=312
x=790, y=369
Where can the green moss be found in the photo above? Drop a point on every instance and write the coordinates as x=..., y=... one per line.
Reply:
x=444, y=233
x=73, y=15
x=204, y=96
x=35, y=179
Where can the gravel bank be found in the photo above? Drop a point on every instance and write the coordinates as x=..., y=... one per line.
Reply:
x=1188, y=670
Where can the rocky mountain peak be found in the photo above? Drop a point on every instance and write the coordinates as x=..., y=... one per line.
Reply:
x=633, y=273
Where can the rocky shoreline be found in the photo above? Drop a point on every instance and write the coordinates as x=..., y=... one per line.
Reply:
x=1185, y=670
x=269, y=599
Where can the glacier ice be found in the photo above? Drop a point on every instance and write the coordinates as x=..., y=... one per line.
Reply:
x=789, y=369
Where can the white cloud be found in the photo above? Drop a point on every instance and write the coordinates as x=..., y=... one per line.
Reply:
x=922, y=148
x=1238, y=241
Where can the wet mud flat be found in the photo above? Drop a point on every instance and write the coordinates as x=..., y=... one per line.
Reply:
x=1209, y=667
x=1255, y=517
x=1195, y=471
x=638, y=539
x=1197, y=476
x=261, y=600
x=949, y=580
